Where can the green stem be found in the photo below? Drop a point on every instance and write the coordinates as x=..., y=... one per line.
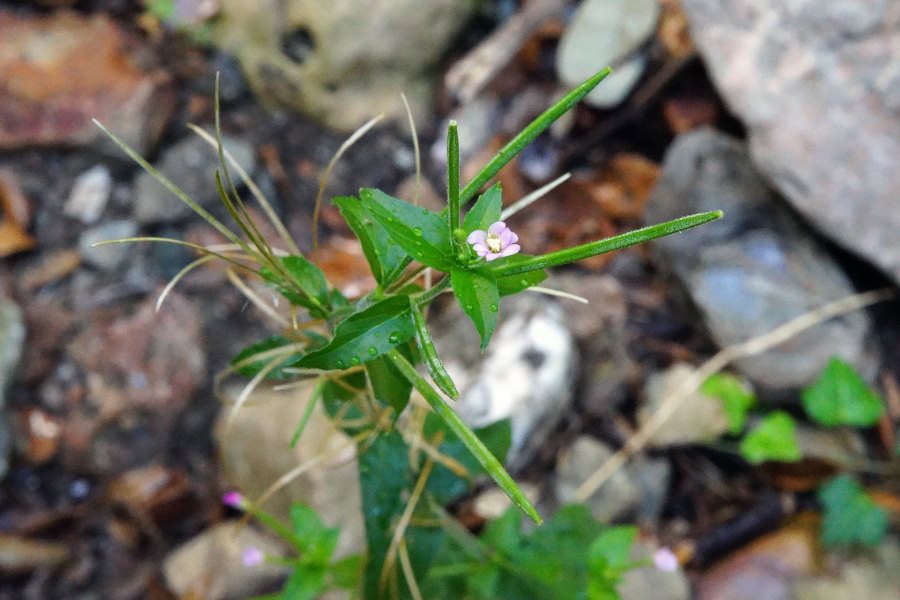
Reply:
x=562, y=257
x=453, y=176
x=527, y=135
x=466, y=435
x=432, y=293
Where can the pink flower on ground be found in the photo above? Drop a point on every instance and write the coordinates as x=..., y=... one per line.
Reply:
x=252, y=557
x=665, y=560
x=498, y=241
x=233, y=499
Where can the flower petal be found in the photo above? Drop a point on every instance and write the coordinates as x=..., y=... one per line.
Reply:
x=481, y=249
x=515, y=238
x=510, y=250
x=506, y=238
x=497, y=228
x=491, y=256
x=477, y=236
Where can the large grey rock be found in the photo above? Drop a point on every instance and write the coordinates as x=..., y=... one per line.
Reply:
x=603, y=32
x=526, y=375
x=857, y=574
x=341, y=62
x=818, y=86
x=618, y=498
x=210, y=564
x=755, y=269
x=256, y=452
x=190, y=164
x=12, y=337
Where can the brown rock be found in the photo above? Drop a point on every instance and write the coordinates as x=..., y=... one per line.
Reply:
x=141, y=372
x=60, y=71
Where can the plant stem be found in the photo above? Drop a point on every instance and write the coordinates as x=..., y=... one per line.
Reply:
x=430, y=294
x=453, y=177
x=466, y=435
x=562, y=257
x=527, y=135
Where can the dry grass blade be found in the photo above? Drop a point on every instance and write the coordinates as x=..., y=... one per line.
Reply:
x=691, y=384
x=197, y=247
x=254, y=190
x=416, y=152
x=534, y=196
x=406, y=567
x=558, y=293
x=179, y=276
x=403, y=521
x=258, y=302
x=326, y=174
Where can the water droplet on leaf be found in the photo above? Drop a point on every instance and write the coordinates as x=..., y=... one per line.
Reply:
x=354, y=360
x=372, y=350
x=493, y=308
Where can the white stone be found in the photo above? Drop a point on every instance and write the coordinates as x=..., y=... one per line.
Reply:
x=89, y=195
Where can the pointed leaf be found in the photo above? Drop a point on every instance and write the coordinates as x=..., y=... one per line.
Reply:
x=364, y=336
x=388, y=384
x=485, y=211
x=850, y=514
x=385, y=257
x=513, y=284
x=308, y=278
x=480, y=299
x=430, y=356
x=737, y=399
x=774, y=439
x=841, y=397
x=251, y=368
x=420, y=232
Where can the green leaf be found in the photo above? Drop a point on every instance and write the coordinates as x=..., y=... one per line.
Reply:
x=251, y=368
x=433, y=363
x=319, y=541
x=308, y=277
x=613, y=547
x=307, y=582
x=444, y=485
x=501, y=268
x=480, y=300
x=737, y=398
x=386, y=259
x=345, y=573
x=850, y=514
x=364, y=336
x=420, y=232
x=481, y=453
x=486, y=210
x=388, y=384
x=527, y=135
x=841, y=397
x=513, y=284
x=453, y=177
x=773, y=439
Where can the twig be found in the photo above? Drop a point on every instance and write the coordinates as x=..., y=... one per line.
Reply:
x=692, y=383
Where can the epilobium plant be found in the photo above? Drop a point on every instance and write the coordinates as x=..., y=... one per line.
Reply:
x=360, y=354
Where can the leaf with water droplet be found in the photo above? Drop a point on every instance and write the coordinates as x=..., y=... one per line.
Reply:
x=355, y=335
x=486, y=210
x=421, y=233
x=476, y=294
x=386, y=259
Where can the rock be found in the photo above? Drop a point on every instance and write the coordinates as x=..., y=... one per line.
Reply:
x=476, y=123
x=341, y=62
x=700, y=419
x=110, y=256
x=599, y=326
x=603, y=32
x=256, y=452
x=142, y=370
x=89, y=195
x=62, y=70
x=12, y=339
x=617, y=498
x=652, y=476
x=526, y=375
x=862, y=575
x=755, y=269
x=210, y=565
x=190, y=164
x=818, y=88
x=765, y=567
x=651, y=582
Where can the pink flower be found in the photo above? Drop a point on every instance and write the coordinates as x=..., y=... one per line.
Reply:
x=234, y=499
x=498, y=241
x=252, y=557
x=665, y=560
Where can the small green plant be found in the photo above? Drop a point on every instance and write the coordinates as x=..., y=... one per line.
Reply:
x=839, y=397
x=360, y=354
